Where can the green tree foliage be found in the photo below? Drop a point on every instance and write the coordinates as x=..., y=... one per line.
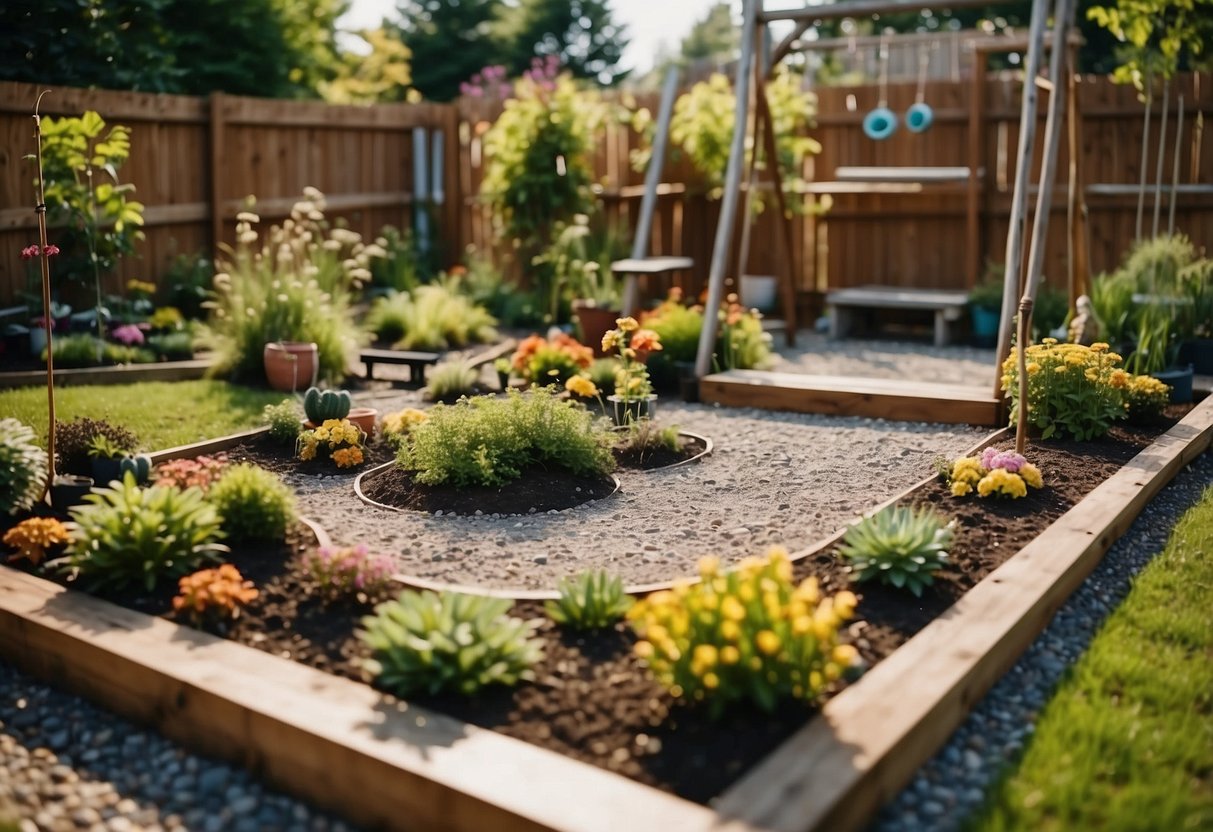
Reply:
x=714, y=37
x=275, y=48
x=1156, y=36
x=581, y=33
x=449, y=41
x=384, y=74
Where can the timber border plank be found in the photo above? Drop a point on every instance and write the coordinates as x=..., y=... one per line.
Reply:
x=345, y=746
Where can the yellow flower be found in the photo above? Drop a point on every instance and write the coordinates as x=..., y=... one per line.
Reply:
x=844, y=603
x=1031, y=475
x=581, y=386
x=1033, y=367
x=767, y=642
x=643, y=649
x=729, y=630
x=705, y=655
x=609, y=340
x=729, y=655
x=711, y=681
x=845, y=654
x=732, y=609
x=960, y=488
x=628, y=324
x=709, y=566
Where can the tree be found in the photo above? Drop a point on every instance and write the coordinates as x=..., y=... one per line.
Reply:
x=581, y=33
x=715, y=37
x=381, y=75
x=449, y=40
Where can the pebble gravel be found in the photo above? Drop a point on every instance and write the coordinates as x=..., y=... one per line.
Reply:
x=952, y=785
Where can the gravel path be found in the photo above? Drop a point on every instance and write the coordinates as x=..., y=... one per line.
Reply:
x=877, y=358
x=952, y=785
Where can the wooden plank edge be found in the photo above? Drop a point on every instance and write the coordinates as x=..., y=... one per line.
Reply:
x=124, y=374
x=336, y=743
x=871, y=739
x=207, y=446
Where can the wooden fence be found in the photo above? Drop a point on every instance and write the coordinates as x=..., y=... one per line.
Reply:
x=194, y=160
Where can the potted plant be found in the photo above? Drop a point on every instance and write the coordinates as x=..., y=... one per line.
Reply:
x=573, y=271
x=1157, y=351
x=111, y=460
x=289, y=365
x=985, y=306
x=502, y=367
x=634, y=398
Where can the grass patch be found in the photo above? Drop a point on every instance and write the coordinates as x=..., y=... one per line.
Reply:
x=162, y=414
x=1127, y=740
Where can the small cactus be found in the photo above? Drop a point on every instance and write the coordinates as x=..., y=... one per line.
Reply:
x=140, y=465
x=322, y=405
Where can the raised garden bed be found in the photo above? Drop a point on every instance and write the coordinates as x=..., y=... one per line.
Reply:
x=122, y=374
x=447, y=774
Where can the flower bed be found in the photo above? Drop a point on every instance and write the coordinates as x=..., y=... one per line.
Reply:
x=594, y=702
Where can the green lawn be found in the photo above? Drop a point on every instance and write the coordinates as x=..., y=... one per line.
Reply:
x=162, y=414
x=1127, y=741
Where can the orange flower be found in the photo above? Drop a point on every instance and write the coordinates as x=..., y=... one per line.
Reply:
x=645, y=340
x=528, y=347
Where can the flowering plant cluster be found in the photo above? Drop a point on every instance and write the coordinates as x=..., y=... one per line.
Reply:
x=551, y=360
x=1145, y=398
x=741, y=343
x=199, y=472
x=340, y=439
x=1073, y=390
x=348, y=570
x=30, y=252
x=218, y=593
x=31, y=538
x=748, y=633
x=397, y=426
x=997, y=473
x=634, y=346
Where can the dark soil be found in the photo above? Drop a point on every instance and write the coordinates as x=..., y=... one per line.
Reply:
x=538, y=490
x=593, y=701
x=280, y=458
x=652, y=459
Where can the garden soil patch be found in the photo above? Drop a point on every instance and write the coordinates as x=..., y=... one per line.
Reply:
x=537, y=490
x=593, y=701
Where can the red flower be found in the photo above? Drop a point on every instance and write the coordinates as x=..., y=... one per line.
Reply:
x=51, y=250
x=29, y=253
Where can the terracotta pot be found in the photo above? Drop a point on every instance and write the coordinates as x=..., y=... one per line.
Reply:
x=593, y=322
x=291, y=365
x=364, y=418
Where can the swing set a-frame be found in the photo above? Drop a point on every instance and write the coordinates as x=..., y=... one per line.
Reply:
x=886, y=398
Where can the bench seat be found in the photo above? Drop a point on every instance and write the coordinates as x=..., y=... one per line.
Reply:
x=947, y=305
x=416, y=362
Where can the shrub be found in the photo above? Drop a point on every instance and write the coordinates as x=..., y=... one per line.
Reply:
x=749, y=633
x=23, y=467
x=450, y=380
x=491, y=441
x=200, y=472
x=284, y=420
x=997, y=473
x=552, y=360
x=73, y=440
x=122, y=354
x=1072, y=390
x=172, y=346
x=338, y=439
x=430, y=642
x=213, y=594
x=296, y=287
x=591, y=600
x=603, y=371
x=397, y=426
x=129, y=535
x=433, y=317
x=1145, y=398
x=75, y=351
x=741, y=343
x=347, y=570
x=33, y=536
x=643, y=437
x=899, y=546
x=400, y=268
x=254, y=504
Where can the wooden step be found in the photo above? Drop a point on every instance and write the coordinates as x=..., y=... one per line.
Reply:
x=881, y=398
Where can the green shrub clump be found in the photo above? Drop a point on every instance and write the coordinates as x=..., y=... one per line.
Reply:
x=591, y=600
x=434, y=317
x=1073, y=390
x=254, y=504
x=23, y=466
x=899, y=546
x=431, y=642
x=749, y=633
x=450, y=380
x=130, y=535
x=489, y=441
x=285, y=421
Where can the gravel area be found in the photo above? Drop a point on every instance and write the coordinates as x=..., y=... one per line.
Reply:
x=878, y=358
x=952, y=785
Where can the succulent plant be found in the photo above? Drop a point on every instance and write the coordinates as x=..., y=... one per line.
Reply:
x=591, y=600
x=254, y=504
x=899, y=546
x=140, y=465
x=431, y=642
x=131, y=535
x=322, y=405
x=22, y=467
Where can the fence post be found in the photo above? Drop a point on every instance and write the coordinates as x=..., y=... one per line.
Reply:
x=216, y=166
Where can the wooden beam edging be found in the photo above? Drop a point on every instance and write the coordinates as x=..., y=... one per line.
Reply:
x=839, y=769
x=206, y=446
x=121, y=374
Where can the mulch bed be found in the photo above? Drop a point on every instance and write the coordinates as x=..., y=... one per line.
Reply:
x=279, y=458
x=594, y=702
x=538, y=490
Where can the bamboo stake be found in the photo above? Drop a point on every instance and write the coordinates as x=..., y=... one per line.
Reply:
x=1162, y=150
x=1179, y=131
x=1064, y=15
x=1145, y=157
x=44, y=262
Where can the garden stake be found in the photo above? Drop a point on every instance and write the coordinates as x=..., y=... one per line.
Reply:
x=1179, y=130
x=1162, y=149
x=45, y=257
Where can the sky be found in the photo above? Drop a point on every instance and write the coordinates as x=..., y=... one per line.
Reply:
x=651, y=23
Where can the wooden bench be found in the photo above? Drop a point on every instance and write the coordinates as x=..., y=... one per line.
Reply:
x=632, y=268
x=948, y=306
x=415, y=361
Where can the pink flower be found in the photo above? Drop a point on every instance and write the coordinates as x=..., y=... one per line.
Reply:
x=51, y=250
x=128, y=334
x=29, y=253
x=1009, y=461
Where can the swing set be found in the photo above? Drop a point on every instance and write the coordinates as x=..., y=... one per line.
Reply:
x=893, y=398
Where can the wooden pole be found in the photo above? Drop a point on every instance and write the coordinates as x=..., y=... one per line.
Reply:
x=44, y=262
x=862, y=8
x=977, y=90
x=216, y=169
x=1063, y=16
x=1162, y=151
x=1145, y=155
x=732, y=184
x=1019, y=196
x=1179, y=129
x=785, y=221
x=1073, y=280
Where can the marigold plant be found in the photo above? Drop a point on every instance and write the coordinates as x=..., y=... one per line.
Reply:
x=31, y=538
x=1145, y=398
x=749, y=633
x=995, y=472
x=552, y=360
x=213, y=593
x=1073, y=390
x=397, y=426
x=338, y=439
x=634, y=346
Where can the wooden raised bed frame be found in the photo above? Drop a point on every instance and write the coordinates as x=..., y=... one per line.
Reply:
x=381, y=762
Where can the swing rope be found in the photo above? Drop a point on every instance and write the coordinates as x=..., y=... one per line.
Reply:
x=924, y=60
x=884, y=70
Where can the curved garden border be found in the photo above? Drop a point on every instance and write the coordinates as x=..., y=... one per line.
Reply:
x=383, y=762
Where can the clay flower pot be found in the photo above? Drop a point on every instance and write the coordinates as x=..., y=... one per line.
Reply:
x=364, y=418
x=291, y=365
